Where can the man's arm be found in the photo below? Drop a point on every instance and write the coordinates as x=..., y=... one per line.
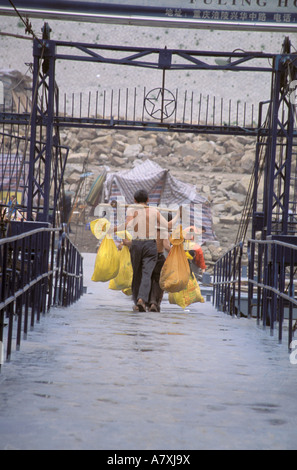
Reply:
x=163, y=223
x=166, y=244
x=129, y=217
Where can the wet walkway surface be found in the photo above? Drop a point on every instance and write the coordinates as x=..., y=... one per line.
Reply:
x=98, y=376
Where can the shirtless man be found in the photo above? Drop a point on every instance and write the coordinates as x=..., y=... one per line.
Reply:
x=156, y=294
x=146, y=221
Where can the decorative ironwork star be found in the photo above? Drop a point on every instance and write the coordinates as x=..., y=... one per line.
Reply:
x=160, y=103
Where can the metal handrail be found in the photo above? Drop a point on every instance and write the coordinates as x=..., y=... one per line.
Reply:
x=274, y=265
x=37, y=271
x=14, y=238
x=271, y=272
x=227, y=274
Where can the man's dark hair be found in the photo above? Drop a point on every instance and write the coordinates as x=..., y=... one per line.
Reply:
x=141, y=195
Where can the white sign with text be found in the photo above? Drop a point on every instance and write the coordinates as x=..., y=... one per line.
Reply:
x=278, y=15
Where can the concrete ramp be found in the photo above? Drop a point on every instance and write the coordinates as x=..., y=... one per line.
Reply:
x=98, y=376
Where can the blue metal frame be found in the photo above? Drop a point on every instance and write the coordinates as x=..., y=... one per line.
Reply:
x=47, y=51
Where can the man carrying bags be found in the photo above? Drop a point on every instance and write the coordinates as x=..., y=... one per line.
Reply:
x=146, y=221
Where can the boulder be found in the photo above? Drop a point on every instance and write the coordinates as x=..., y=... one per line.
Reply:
x=233, y=207
x=77, y=158
x=118, y=161
x=132, y=151
x=88, y=134
x=247, y=162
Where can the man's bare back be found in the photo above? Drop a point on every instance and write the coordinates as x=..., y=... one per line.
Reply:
x=148, y=223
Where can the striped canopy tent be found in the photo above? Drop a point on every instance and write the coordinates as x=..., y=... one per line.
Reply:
x=164, y=191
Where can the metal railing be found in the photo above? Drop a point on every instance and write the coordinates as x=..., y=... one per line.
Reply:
x=272, y=270
x=69, y=278
x=227, y=281
x=38, y=269
x=269, y=289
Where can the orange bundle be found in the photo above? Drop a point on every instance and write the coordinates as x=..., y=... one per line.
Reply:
x=175, y=273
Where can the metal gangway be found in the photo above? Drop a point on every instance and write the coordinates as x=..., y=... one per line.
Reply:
x=273, y=221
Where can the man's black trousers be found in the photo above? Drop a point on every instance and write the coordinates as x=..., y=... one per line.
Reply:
x=144, y=257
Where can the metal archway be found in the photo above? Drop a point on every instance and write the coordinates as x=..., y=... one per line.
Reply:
x=164, y=110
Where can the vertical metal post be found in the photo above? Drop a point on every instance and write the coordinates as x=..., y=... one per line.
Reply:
x=50, y=57
x=291, y=293
x=214, y=287
x=234, y=283
x=282, y=279
x=259, y=289
x=274, y=284
x=43, y=80
x=239, y=278
x=272, y=145
x=37, y=51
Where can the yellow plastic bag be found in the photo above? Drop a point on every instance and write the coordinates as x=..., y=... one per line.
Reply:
x=107, y=262
x=99, y=227
x=124, y=234
x=175, y=273
x=187, y=296
x=112, y=285
x=123, y=280
x=127, y=291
